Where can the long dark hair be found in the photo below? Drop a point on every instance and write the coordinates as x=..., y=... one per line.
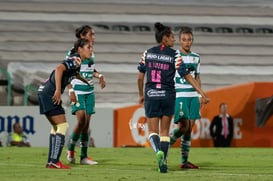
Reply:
x=78, y=43
x=160, y=31
x=83, y=30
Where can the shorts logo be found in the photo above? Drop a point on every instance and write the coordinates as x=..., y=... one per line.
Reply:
x=181, y=113
x=156, y=93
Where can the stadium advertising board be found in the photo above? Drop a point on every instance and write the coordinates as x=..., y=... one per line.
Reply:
x=36, y=127
x=131, y=128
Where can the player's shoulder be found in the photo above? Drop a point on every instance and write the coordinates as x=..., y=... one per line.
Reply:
x=69, y=63
x=152, y=49
x=195, y=54
x=178, y=52
x=70, y=52
x=159, y=47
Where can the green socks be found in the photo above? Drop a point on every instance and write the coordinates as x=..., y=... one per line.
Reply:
x=73, y=140
x=185, y=148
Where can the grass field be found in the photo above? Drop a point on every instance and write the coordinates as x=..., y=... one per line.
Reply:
x=242, y=164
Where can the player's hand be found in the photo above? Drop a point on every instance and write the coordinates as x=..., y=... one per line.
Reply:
x=205, y=100
x=141, y=99
x=73, y=98
x=77, y=61
x=201, y=102
x=56, y=99
x=102, y=82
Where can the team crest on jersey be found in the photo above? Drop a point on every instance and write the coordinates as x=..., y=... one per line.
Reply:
x=181, y=80
x=195, y=60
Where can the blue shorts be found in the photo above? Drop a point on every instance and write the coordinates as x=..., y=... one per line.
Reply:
x=47, y=107
x=159, y=108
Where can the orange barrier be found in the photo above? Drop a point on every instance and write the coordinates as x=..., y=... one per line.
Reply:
x=130, y=127
x=129, y=121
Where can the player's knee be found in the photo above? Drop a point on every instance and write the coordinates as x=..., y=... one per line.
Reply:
x=53, y=130
x=62, y=128
x=81, y=124
x=183, y=129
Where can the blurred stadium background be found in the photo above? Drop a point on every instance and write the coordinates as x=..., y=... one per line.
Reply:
x=233, y=37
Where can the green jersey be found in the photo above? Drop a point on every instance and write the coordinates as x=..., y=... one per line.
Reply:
x=182, y=86
x=86, y=71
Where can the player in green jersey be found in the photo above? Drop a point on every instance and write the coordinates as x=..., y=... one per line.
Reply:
x=187, y=104
x=83, y=100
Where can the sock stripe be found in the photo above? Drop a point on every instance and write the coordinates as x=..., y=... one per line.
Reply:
x=165, y=138
x=152, y=135
x=154, y=141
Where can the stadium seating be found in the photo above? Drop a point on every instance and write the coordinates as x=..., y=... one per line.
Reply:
x=231, y=53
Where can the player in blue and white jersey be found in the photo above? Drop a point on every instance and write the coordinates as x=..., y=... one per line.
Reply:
x=49, y=96
x=160, y=63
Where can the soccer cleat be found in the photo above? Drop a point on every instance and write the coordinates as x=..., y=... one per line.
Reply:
x=160, y=158
x=193, y=166
x=162, y=166
x=88, y=161
x=70, y=157
x=58, y=165
x=48, y=165
x=188, y=165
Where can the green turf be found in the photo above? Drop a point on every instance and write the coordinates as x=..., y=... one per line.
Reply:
x=217, y=164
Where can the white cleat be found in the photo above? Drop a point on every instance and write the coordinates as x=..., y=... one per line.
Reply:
x=71, y=157
x=88, y=161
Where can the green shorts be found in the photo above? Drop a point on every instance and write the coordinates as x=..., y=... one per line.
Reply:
x=85, y=102
x=186, y=108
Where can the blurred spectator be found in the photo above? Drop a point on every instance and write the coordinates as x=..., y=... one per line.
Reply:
x=221, y=127
x=17, y=137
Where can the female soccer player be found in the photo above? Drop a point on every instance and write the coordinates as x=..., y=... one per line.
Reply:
x=49, y=95
x=83, y=100
x=187, y=105
x=160, y=63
